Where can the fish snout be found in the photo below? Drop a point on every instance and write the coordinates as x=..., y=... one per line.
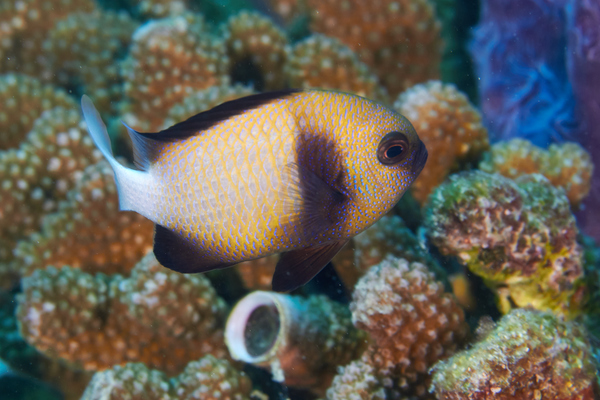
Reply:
x=420, y=158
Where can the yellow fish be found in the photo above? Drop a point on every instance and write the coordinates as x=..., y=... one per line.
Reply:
x=292, y=172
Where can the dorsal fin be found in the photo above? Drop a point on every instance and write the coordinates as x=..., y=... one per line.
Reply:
x=143, y=148
x=206, y=119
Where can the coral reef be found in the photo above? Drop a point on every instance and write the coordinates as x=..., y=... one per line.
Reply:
x=520, y=236
x=88, y=231
x=23, y=100
x=155, y=316
x=400, y=40
x=323, y=62
x=529, y=355
x=37, y=175
x=255, y=42
x=388, y=236
x=301, y=340
x=169, y=59
x=81, y=49
x=566, y=165
x=25, y=26
x=449, y=126
x=257, y=274
x=411, y=321
x=208, y=378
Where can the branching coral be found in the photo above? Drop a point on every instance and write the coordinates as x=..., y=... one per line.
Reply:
x=520, y=236
x=388, y=236
x=23, y=100
x=169, y=59
x=449, y=126
x=27, y=25
x=38, y=175
x=324, y=62
x=156, y=316
x=301, y=340
x=566, y=165
x=400, y=40
x=81, y=51
x=208, y=379
x=88, y=231
x=530, y=355
x=411, y=321
x=255, y=42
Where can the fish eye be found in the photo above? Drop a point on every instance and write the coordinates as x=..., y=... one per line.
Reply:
x=393, y=148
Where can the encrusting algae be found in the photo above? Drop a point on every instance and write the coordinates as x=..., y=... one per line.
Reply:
x=82, y=299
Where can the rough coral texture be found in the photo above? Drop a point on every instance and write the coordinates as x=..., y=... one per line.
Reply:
x=156, y=316
x=357, y=381
x=37, y=175
x=324, y=62
x=566, y=165
x=529, y=355
x=388, y=236
x=169, y=59
x=88, y=231
x=399, y=39
x=25, y=25
x=160, y=8
x=449, y=126
x=520, y=236
x=206, y=379
x=252, y=39
x=23, y=100
x=203, y=100
x=413, y=323
x=81, y=51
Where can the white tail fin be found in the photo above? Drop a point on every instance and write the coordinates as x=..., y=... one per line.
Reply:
x=131, y=184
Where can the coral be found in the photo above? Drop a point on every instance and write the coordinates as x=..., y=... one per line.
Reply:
x=88, y=231
x=26, y=24
x=530, y=355
x=203, y=100
x=410, y=319
x=400, y=40
x=160, y=8
x=81, y=51
x=207, y=379
x=566, y=165
x=520, y=236
x=156, y=316
x=168, y=60
x=257, y=274
x=301, y=340
x=37, y=175
x=288, y=9
x=449, y=126
x=23, y=100
x=357, y=380
x=324, y=62
x=255, y=42
x=388, y=236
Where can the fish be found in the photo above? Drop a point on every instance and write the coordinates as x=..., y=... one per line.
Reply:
x=295, y=172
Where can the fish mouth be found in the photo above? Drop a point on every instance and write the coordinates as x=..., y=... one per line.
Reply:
x=420, y=158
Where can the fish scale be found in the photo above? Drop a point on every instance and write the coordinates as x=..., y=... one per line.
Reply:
x=294, y=172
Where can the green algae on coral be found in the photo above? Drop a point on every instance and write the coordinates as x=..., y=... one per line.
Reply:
x=519, y=236
x=530, y=355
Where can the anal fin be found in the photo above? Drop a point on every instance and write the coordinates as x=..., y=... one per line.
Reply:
x=179, y=254
x=297, y=267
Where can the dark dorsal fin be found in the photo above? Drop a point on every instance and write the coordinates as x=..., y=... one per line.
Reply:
x=206, y=119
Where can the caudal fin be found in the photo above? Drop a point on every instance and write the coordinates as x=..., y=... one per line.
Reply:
x=130, y=183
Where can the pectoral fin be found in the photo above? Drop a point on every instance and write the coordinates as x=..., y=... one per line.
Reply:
x=177, y=253
x=297, y=267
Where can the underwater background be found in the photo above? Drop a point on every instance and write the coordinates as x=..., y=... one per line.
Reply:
x=483, y=283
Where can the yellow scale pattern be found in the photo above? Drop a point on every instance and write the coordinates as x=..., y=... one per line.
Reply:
x=229, y=189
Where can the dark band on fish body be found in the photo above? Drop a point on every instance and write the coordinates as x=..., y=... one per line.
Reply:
x=207, y=119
